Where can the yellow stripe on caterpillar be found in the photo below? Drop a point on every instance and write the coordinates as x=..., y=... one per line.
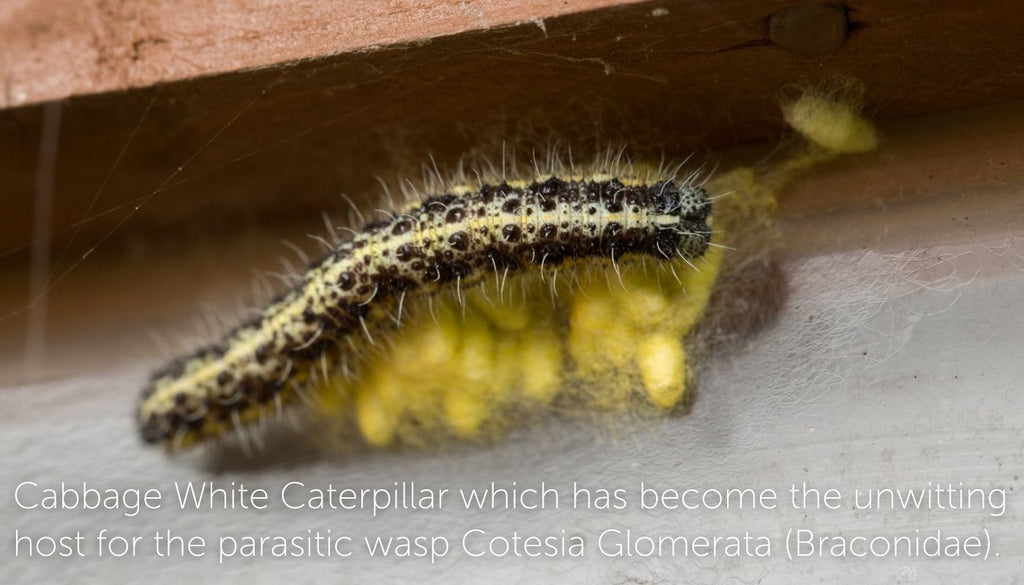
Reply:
x=604, y=226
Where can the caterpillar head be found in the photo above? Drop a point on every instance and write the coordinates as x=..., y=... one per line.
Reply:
x=684, y=220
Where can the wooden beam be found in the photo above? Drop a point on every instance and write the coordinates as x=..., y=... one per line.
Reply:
x=281, y=142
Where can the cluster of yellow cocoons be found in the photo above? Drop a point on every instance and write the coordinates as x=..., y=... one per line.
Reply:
x=460, y=367
x=611, y=335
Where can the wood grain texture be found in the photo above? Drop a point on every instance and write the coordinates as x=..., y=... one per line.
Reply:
x=283, y=141
x=55, y=49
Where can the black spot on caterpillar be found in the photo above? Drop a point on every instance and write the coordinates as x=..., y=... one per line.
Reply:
x=456, y=238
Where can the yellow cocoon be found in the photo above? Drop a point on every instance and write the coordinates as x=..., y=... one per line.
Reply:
x=836, y=126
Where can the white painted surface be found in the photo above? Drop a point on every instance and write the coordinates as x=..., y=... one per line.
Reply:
x=882, y=370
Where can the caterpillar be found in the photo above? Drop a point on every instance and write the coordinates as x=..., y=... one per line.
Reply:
x=450, y=240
